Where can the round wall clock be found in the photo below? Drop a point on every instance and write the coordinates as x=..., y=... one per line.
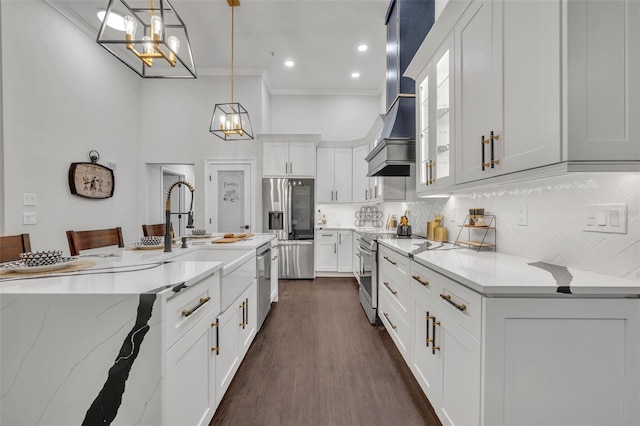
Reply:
x=91, y=180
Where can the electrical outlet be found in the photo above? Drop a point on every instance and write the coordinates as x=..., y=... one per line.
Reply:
x=523, y=215
x=452, y=214
x=30, y=218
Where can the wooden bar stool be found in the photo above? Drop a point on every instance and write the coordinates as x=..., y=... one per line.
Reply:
x=157, y=230
x=12, y=245
x=84, y=240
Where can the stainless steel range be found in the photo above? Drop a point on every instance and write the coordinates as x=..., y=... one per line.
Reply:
x=368, y=272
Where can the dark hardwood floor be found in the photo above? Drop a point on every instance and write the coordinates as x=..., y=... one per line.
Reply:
x=318, y=361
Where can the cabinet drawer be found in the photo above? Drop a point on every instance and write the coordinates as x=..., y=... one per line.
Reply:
x=461, y=304
x=397, y=290
x=326, y=236
x=424, y=282
x=394, y=261
x=234, y=283
x=186, y=308
x=395, y=324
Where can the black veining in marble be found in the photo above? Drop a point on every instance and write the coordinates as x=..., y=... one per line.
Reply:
x=105, y=407
x=559, y=273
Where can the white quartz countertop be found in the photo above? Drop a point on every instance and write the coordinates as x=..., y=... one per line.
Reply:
x=500, y=274
x=135, y=271
x=107, y=277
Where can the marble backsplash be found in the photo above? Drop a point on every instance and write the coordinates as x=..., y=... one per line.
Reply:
x=555, y=218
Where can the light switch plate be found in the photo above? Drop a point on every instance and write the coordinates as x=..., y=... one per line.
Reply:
x=29, y=199
x=607, y=218
x=523, y=215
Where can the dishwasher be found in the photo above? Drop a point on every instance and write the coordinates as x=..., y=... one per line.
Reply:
x=263, y=270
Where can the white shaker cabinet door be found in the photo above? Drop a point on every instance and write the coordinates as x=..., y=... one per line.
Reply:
x=189, y=396
x=302, y=159
x=275, y=158
x=325, y=175
x=345, y=247
x=559, y=361
x=343, y=175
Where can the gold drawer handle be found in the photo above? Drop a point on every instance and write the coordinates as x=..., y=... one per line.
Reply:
x=394, y=292
x=417, y=278
x=392, y=324
x=187, y=312
x=461, y=307
x=390, y=261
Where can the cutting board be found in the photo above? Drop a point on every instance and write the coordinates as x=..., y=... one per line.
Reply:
x=234, y=239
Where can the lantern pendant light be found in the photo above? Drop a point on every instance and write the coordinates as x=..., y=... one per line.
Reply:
x=230, y=121
x=155, y=43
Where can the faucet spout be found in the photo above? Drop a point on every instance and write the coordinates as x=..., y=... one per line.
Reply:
x=167, y=234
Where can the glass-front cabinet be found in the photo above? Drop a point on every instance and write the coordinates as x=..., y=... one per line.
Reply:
x=435, y=121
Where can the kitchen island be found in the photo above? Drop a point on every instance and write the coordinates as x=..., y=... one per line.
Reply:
x=498, y=339
x=135, y=337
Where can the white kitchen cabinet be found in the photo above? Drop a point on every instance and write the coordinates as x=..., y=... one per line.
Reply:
x=326, y=250
x=362, y=186
x=536, y=360
x=275, y=253
x=389, y=188
x=334, y=250
x=236, y=329
x=529, y=93
x=555, y=361
x=435, y=113
x=394, y=298
x=345, y=251
x=334, y=175
x=249, y=318
x=284, y=159
x=189, y=395
x=508, y=75
x=356, y=255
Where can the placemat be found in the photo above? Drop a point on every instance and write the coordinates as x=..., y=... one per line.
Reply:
x=78, y=266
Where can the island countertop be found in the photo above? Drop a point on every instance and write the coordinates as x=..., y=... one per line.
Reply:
x=500, y=274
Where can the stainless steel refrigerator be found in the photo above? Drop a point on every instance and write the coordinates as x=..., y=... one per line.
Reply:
x=288, y=211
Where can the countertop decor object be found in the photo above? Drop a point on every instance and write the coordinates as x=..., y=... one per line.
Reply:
x=91, y=180
x=230, y=121
x=150, y=38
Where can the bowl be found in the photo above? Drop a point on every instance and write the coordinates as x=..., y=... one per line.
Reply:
x=153, y=240
x=41, y=258
x=198, y=231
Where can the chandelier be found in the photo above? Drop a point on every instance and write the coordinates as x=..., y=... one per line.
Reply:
x=230, y=121
x=148, y=36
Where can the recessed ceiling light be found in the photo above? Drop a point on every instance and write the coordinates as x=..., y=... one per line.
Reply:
x=355, y=75
x=115, y=21
x=289, y=63
x=363, y=48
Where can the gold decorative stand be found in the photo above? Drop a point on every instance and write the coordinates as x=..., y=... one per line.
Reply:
x=477, y=235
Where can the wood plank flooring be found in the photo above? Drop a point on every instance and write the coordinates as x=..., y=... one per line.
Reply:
x=318, y=361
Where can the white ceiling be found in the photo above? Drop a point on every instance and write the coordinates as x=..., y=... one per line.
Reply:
x=321, y=36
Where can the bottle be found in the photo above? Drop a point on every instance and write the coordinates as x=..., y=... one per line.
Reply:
x=319, y=217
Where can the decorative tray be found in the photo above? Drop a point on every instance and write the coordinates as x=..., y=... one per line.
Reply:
x=19, y=266
x=139, y=246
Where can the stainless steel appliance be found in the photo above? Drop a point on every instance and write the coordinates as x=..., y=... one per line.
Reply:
x=288, y=211
x=263, y=267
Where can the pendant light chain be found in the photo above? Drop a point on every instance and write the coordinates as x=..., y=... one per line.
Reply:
x=232, y=27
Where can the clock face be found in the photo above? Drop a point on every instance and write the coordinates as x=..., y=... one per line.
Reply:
x=91, y=180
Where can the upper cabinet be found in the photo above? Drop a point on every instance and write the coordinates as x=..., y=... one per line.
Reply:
x=508, y=87
x=534, y=84
x=362, y=187
x=435, y=147
x=288, y=159
x=334, y=175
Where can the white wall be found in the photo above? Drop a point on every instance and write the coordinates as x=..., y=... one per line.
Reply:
x=340, y=118
x=64, y=96
x=2, y=156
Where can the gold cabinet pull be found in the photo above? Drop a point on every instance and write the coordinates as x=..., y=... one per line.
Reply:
x=394, y=292
x=461, y=307
x=434, y=348
x=216, y=348
x=417, y=278
x=392, y=324
x=390, y=261
x=187, y=312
